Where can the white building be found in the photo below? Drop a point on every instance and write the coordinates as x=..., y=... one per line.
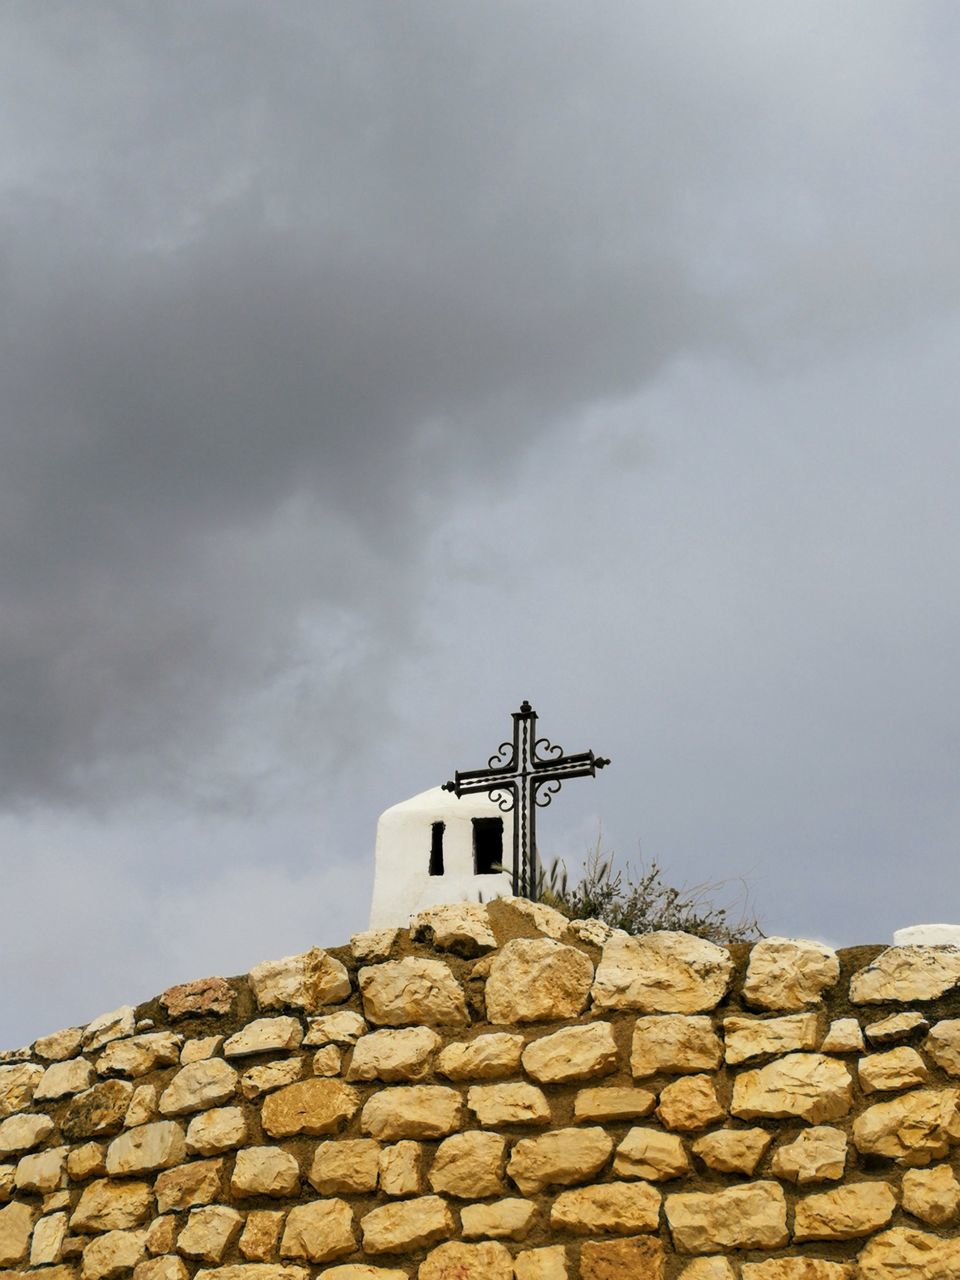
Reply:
x=435, y=848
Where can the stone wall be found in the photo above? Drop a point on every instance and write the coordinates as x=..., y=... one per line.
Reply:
x=497, y=1093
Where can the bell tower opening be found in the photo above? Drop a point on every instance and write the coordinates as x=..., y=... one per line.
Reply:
x=487, y=846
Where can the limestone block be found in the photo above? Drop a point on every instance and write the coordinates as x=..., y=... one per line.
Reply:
x=748, y=1038
x=209, y=1232
x=265, y=1171
x=257, y=1081
x=789, y=973
x=198, y=1049
x=54, y=1200
x=345, y=1167
x=87, y=1161
x=573, y=1053
x=109, y=1026
x=343, y=1027
x=139, y=1055
x=901, y=975
x=197, y=1087
x=151, y=1146
x=165, y=1268
x=497, y=1104
x=913, y=1129
x=662, y=972
x=110, y=1256
x=709, y=1268
x=542, y=1264
x=527, y=914
x=96, y=1111
x=412, y=991
x=7, y=1173
x=264, y=1035
x=537, y=980
x=487, y=1260
x=316, y=1107
x=650, y=1154
x=412, y=1111
x=319, y=1232
x=202, y=996
x=407, y=1224
x=306, y=981
x=932, y=1195
x=638, y=1258
x=469, y=1165
x=561, y=1158
x=17, y=1085
x=373, y=945
x=733, y=1150
x=47, y=1242
x=808, y=1085
x=816, y=1155
x=614, y=1208
x=405, y=1054
x=254, y=1271
x=327, y=1061
x=595, y=932
x=856, y=1209
x=943, y=1045
x=613, y=1103
x=906, y=1254
x=752, y=1216
x=64, y=1271
x=674, y=1044
x=161, y=1235
x=16, y=1226
x=361, y=1270
x=60, y=1045
x=798, y=1268
x=198, y=1182
x=897, y=1027
x=216, y=1131
x=400, y=1167
x=844, y=1036
x=461, y=927
x=489, y=1057
x=22, y=1132
x=42, y=1171
x=112, y=1206
x=261, y=1232
x=900, y=1068
x=143, y=1106
x=502, y=1220
x=690, y=1103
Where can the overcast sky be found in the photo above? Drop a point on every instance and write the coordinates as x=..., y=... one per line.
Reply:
x=368, y=367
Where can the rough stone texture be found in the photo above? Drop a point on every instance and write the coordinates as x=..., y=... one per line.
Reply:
x=675, y=1044
x=209, y=1232
x=139, y=1055
x=264, y=1035
x=913, y=1129
x=204, y=996
x=198, y=1087
x=574, y=1053
x=549, y=1263
x=168, y=1268
x=112, y=1206
x=495, y=1104
x=612, y=1103
x=748, y=1038
x=798, y=1268
x=308, y=981
x=412, y=991
x=412, y=1111
x=715, y=1268
x=612, y=1208
x=343, y=1027
x=257, y=1081
x=753, y=1216
x=47, y=1242
x=87, y=1161
x=198, y=1182
x=319, y=1231
x=537, y=979
x=200, y=1048
x=405, y=1054
x=808, y=1085
x=468, y=1165
x=215, y=1131
x=733, y=1150
x=111, y=1255
x=401, y=1169
x=943, y=1045
x=310, y=1106
x=536, y=915
x=816, y=1155
x=21, y=1133
x=690, y=1103
x=857, y=1209
x=407, y=1224
x=662, y=973
x=151, y=1146
x=503, y=1220
x=261, y=1234
x=789, y=973
x=488, y=1260
x=143, y=1106
x=63, y=1079
x=96, y=1111
x=932, y=1195
x=16, y=1224
x=254, y=1271
x=60, y=1045
x=560, y=1158
x=265, y=1171
x=900, y=1068
x=109, y=1026
x=348, y=1167
x=650, y=1154
x=41, y=1172
x=843, y=1036
x=488, y=1057
x=373, y=945
x=17, y=1085
x=637, y=1259
x=361, y=1270
x=461, y=927
x=905, y=1254
x=904, y=974
x=897, y=1027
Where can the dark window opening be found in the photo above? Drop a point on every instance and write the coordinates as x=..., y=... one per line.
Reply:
x=487, y=846
x=436, y=849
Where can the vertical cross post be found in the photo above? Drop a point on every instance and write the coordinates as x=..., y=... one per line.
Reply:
x=521, y=776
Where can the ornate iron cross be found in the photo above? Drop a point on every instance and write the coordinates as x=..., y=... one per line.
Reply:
x=514, y=776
